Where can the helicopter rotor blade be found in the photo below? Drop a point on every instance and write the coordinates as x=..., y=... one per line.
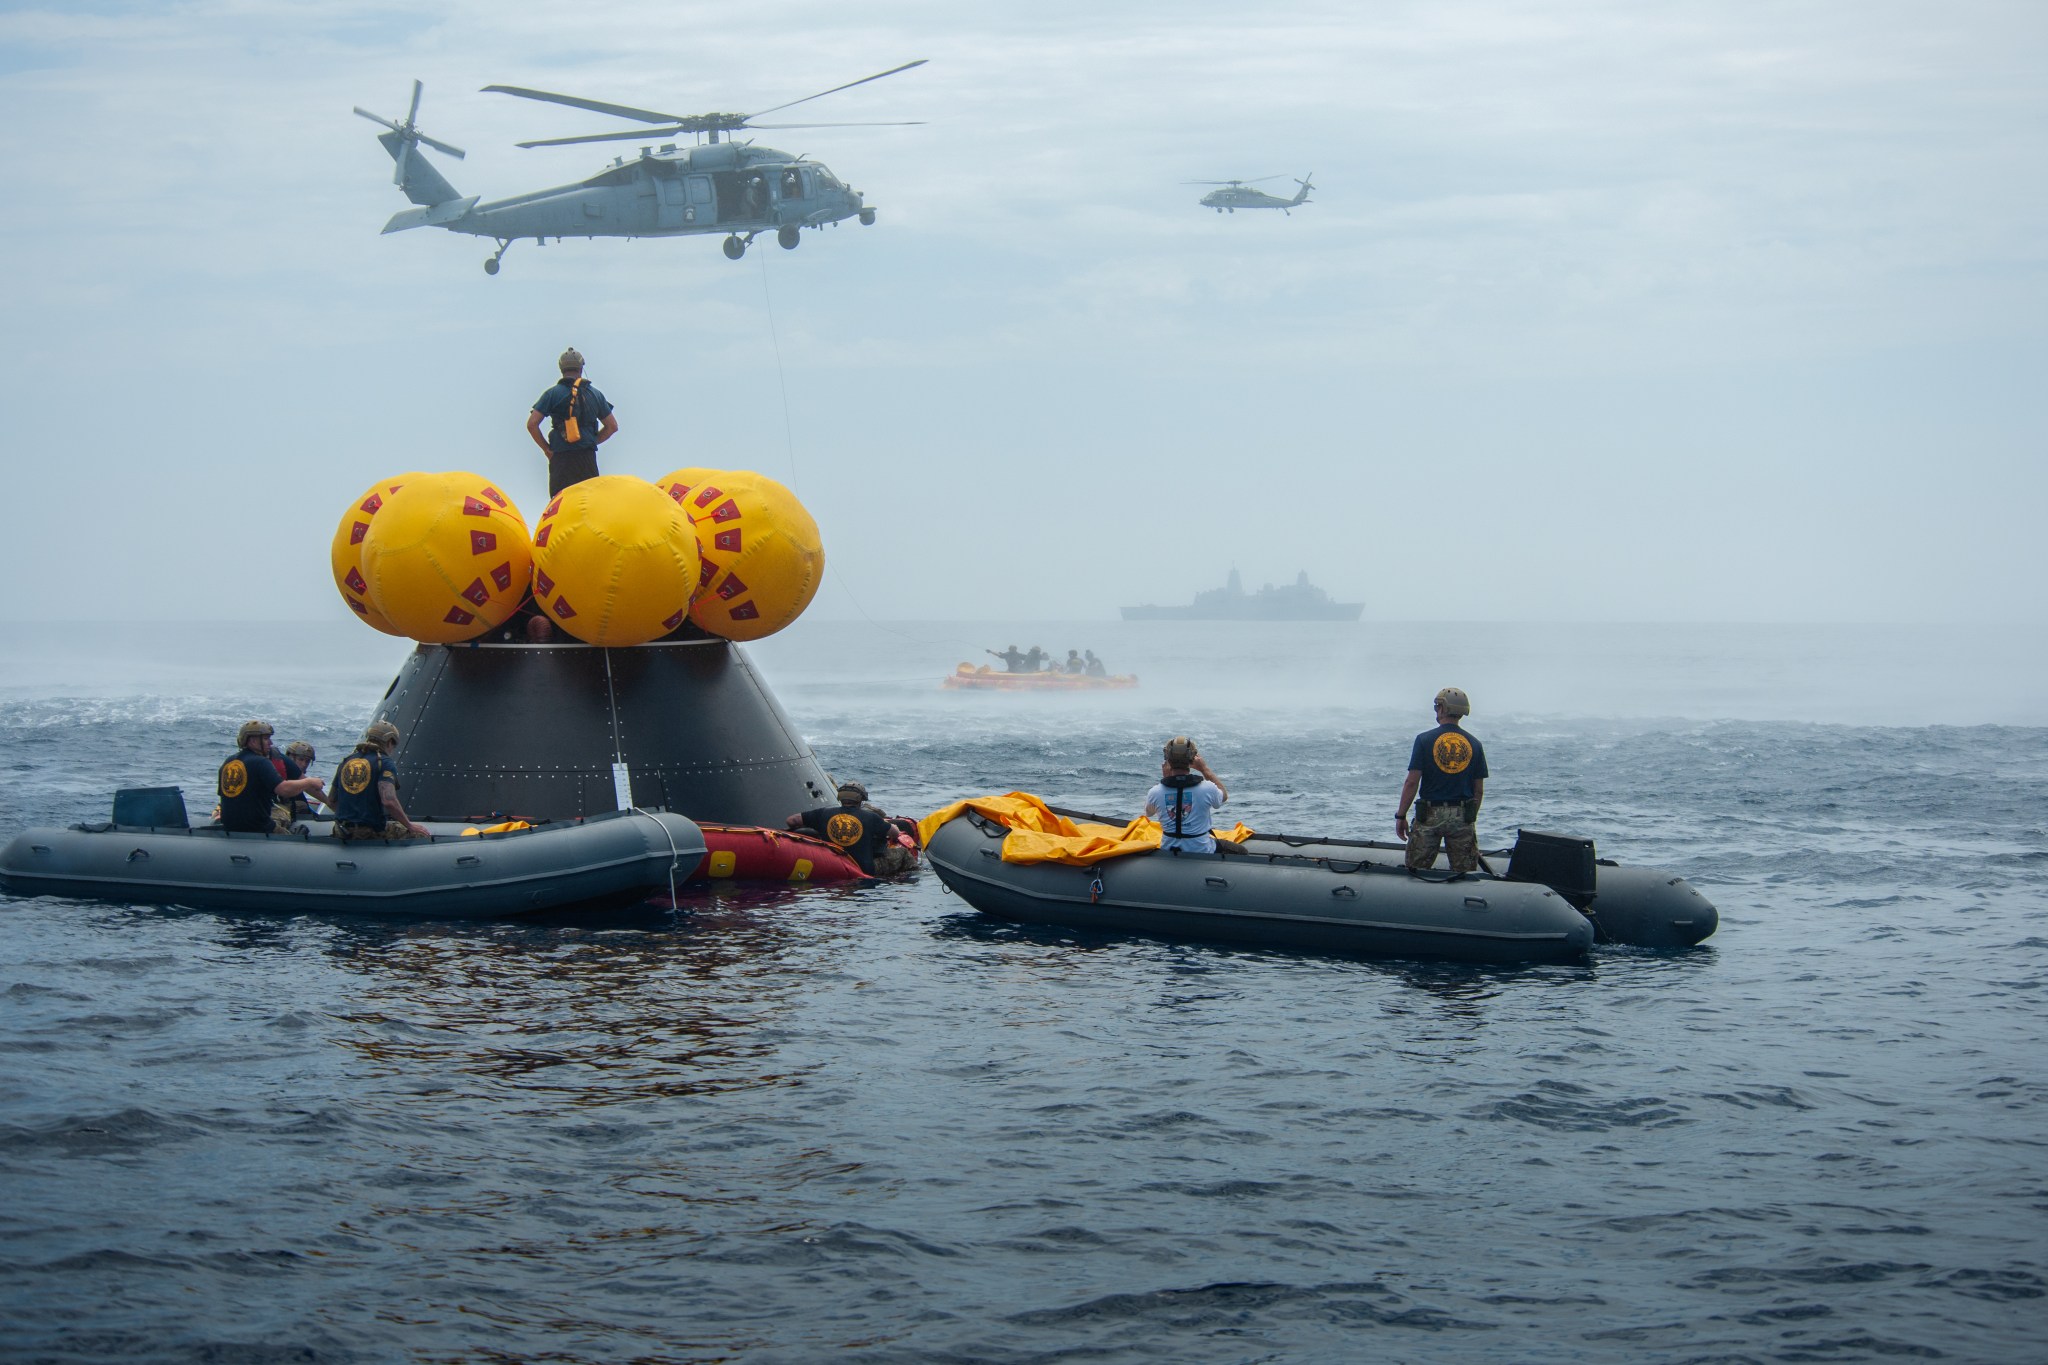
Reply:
x=378, y=118
x=630, y=135
x=414, y=112
x=898, y=123
x=440, y=146
x=594, y=106
x=837, y=88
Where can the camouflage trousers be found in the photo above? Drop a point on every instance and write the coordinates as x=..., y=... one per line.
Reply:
x=1443, y=826
x=390, y=829
x=893, y=861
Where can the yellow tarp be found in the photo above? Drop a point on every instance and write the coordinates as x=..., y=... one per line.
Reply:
x=1037, y=835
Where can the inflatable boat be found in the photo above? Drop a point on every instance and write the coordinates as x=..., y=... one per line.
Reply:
x=1549, y=899
x=968, y=678
x=617, y=858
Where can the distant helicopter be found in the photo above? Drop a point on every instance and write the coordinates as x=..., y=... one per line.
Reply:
x=731, y=187
x=1234, y=196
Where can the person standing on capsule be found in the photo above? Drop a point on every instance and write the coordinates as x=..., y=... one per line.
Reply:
x=583, y=421
x=1447, y=769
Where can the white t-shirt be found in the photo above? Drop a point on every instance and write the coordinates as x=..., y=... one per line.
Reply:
x=1199, y=805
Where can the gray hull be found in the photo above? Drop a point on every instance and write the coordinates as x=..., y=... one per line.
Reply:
x=613, y=859
x=1345, y=898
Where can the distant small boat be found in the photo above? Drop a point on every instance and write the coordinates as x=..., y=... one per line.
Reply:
x=968, y=678
x=1297, y=601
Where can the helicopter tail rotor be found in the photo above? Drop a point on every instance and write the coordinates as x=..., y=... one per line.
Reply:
x=421, y=182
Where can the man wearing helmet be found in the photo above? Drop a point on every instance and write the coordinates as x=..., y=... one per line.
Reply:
x=853, y=826
x=1186, y=800
x=365, y=797
x=1447, y=769
x=253, y=788
x=583, y=422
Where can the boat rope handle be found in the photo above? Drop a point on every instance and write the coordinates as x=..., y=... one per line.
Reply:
x=1095, y=889
x=675, y=854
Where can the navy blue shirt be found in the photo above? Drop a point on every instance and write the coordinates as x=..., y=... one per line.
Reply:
x=591, y=409
x=356, y=798
x=247, y=786
x=1450, y=761
x=855, y=830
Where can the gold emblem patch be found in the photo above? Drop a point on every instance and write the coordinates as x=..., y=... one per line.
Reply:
x=355, y=776
x=1452, y=753
x=234, y=778
x=843, y=829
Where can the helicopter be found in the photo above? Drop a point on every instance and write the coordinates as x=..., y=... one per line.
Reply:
x=1234, y=195
x=735, y=188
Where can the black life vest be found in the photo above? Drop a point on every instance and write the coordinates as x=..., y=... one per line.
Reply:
x=1180, y=784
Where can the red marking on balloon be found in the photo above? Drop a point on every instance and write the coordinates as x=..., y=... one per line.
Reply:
x=563, y=609
x=745, y=611
x=542, y=584
x=704, y=498
x=502, y=576
x=731, y=587
x=728, y=540
x=357, y=532
x=478, y=593
x=482, y=542
x=679, y=491
x=706, y=571
x=475, y=507
x=354, y=578
x=728, y=511
x=361, y=610
x=547, y=528
x=494, y=495
x=553, y=508
x=372, y=503
x=458, y=617
x=670, y=623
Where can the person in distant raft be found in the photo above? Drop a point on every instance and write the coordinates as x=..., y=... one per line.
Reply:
x=583, y=421
x=1186, y=799
x=852, y=826
x=253, y=787
x=365, y=799
x=1447, y=768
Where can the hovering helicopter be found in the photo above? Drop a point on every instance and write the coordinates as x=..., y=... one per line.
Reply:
x=716, y=186
x=1234, y=196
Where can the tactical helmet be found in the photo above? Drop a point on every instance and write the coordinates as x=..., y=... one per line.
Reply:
x=380, y=733
x=1180, y=751
x=1454, y=701
x=298, y=750
x=252, y=729
x=852, y=789
x=571, y=361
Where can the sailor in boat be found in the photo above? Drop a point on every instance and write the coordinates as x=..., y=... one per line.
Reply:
x=853, y=826
x=1447, y=769
x=1093, y=666
x=1187, y=798
x=366, y=790
x=1074, y=665
x=253, y=786
x=1013, y=659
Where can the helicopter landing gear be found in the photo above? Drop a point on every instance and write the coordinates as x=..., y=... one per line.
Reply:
x=491, y=263
x=867, y=217
x=734, y=248
x=788, y=235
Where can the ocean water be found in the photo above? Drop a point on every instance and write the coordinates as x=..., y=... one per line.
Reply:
x=866, y=1124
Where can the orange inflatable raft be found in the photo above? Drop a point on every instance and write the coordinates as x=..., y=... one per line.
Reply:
x=969, y=678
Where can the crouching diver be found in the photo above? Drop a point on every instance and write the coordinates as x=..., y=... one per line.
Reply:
x=1186, y=800
x=366, y=790
x=1448, y=768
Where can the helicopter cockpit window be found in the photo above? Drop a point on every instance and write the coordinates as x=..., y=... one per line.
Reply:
x=792, y=184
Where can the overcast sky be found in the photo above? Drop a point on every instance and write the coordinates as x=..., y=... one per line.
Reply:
x=1614, y=311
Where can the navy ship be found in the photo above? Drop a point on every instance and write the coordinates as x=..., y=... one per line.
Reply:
x=1296, y=601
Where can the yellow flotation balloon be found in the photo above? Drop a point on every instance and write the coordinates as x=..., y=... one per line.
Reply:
x=614, y=562
x=447, y=558
x=346, y=553
x=763, y=558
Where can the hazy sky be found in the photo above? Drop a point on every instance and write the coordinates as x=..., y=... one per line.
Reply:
x=1726, y=311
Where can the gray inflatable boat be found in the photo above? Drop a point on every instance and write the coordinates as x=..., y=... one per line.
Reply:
x=1550, y=899
x=618, y=858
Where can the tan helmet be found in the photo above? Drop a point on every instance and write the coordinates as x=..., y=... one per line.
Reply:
x=298, y=751
x=252, y=729
x=1454, y=701
x=380, y=733
x=1180, y=751
x=852, y=793
x=571, y=361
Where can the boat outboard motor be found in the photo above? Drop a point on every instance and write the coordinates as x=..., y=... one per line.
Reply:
x=151, y=808
x=1645, y=907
